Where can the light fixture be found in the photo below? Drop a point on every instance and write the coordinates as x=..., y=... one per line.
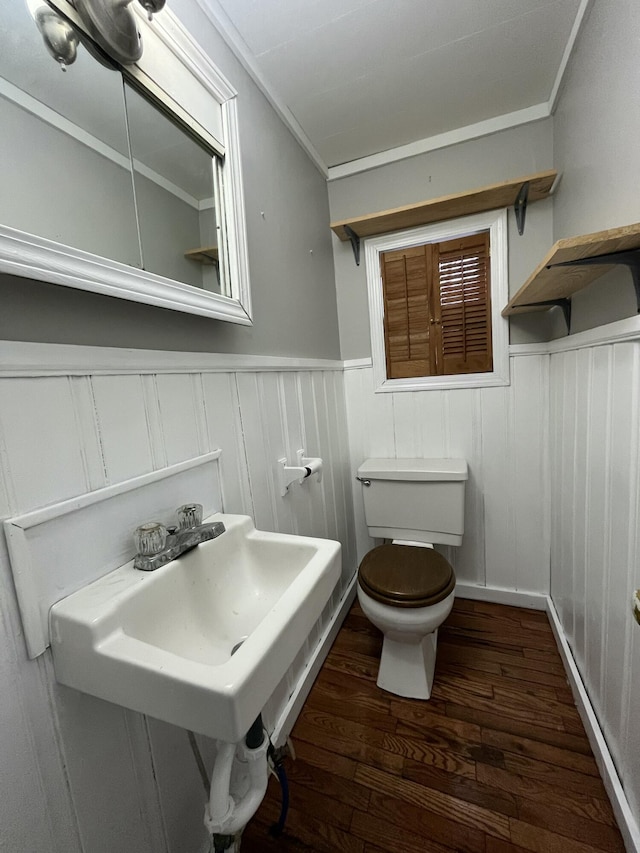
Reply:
x=113, y=27
x=152, y=6
x=59, y=37
x=33, y=6
x=110, y=24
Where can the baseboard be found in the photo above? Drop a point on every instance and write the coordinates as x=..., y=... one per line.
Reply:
x=624, y=816
x=497, y=595
x=298, y=697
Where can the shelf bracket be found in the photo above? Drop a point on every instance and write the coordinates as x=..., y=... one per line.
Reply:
x=355, y=243
x=520, y=206
x=564, y=303
x=630, y=259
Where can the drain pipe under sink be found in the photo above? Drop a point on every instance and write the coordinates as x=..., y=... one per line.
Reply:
x=238, y=783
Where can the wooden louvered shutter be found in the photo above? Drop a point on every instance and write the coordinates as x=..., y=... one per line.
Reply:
x=406, y=277
x=464, y=292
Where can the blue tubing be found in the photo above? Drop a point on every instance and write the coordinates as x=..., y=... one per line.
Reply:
x=277, y=828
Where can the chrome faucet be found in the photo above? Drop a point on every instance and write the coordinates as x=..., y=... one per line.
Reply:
x=158, y=544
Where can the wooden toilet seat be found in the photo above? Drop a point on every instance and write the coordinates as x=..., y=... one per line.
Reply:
x=406, y=576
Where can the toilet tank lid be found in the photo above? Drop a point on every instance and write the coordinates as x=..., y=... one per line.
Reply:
x=414, y=469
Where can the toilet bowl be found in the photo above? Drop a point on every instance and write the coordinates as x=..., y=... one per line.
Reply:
x=407, y=590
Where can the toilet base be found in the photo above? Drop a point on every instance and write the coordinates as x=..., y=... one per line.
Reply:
x=406, y=669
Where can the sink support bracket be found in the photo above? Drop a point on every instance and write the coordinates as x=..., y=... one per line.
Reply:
x=520, y=206
x=630, y=259
x=355, y=243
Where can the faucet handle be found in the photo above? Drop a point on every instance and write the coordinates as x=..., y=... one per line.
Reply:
x=150, y=538
x=189, y=515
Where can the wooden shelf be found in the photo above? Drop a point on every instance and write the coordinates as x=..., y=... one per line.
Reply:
x=491, y=197
x=553, y=283
x=207, y=255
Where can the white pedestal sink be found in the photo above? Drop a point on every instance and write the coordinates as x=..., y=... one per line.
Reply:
x=163, y=642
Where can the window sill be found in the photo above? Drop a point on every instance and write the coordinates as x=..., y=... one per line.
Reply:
x=442, y=383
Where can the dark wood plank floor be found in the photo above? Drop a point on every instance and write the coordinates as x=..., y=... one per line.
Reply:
x=496, y=762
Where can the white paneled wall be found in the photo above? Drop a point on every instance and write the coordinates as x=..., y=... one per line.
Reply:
x=502, y=433
x=552, y=507
x=595, y=536
x=553, y=499
x=78, y=774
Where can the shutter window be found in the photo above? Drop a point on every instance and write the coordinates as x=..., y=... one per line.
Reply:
x=437, y=308
x=465, y=304
x=406, y=274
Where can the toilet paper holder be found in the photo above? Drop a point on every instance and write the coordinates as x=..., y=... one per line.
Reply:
x=306, y=467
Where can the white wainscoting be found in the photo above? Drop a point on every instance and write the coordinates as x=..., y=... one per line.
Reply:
x=502, y=432
x=595, y=535
x=80, y=775
x=553, y=506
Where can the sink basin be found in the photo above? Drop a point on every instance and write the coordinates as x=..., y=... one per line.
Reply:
x=203, y=641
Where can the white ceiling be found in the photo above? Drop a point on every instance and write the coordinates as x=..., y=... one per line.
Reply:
x=361, y=77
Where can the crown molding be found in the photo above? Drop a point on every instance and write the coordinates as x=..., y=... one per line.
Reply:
x=441, y=140
x=581, y=16
x=537, y=112
x=227, y=29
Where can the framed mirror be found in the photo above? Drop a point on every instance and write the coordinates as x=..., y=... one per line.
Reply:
x=109, y=184
x=66, y=172
x=175, y=195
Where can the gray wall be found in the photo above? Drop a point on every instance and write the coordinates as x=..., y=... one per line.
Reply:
x=502, y=156
x=596, y=131
x=66, y=191
x=290, y=256
x=54, y=186
x=168, y=228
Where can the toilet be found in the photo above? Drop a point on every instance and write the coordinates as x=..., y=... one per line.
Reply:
x=405, y=587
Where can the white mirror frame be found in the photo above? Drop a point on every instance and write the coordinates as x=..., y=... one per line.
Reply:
x=169, y=47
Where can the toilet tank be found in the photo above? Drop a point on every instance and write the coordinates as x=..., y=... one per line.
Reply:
x=419, y=500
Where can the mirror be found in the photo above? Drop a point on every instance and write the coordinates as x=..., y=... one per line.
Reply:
x=175, y=197
x=93, y=165
x=66, y=173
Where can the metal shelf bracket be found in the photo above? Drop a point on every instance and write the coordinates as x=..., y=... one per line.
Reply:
x=520, y=206
x=630, y=259
x=355, y=243
x=564, y=303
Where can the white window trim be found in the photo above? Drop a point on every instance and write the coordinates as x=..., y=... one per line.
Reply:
x=170, y=48
x=495, y=221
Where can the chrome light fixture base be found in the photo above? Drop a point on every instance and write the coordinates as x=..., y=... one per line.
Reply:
x=109, y=23
x=113, y=26
x=60, y=38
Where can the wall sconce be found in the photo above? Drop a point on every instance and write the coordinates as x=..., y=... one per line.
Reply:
x=152, y=6
x=60, y=38
x=110, y=23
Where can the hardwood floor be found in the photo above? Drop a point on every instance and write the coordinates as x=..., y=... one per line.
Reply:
x=496, y=762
